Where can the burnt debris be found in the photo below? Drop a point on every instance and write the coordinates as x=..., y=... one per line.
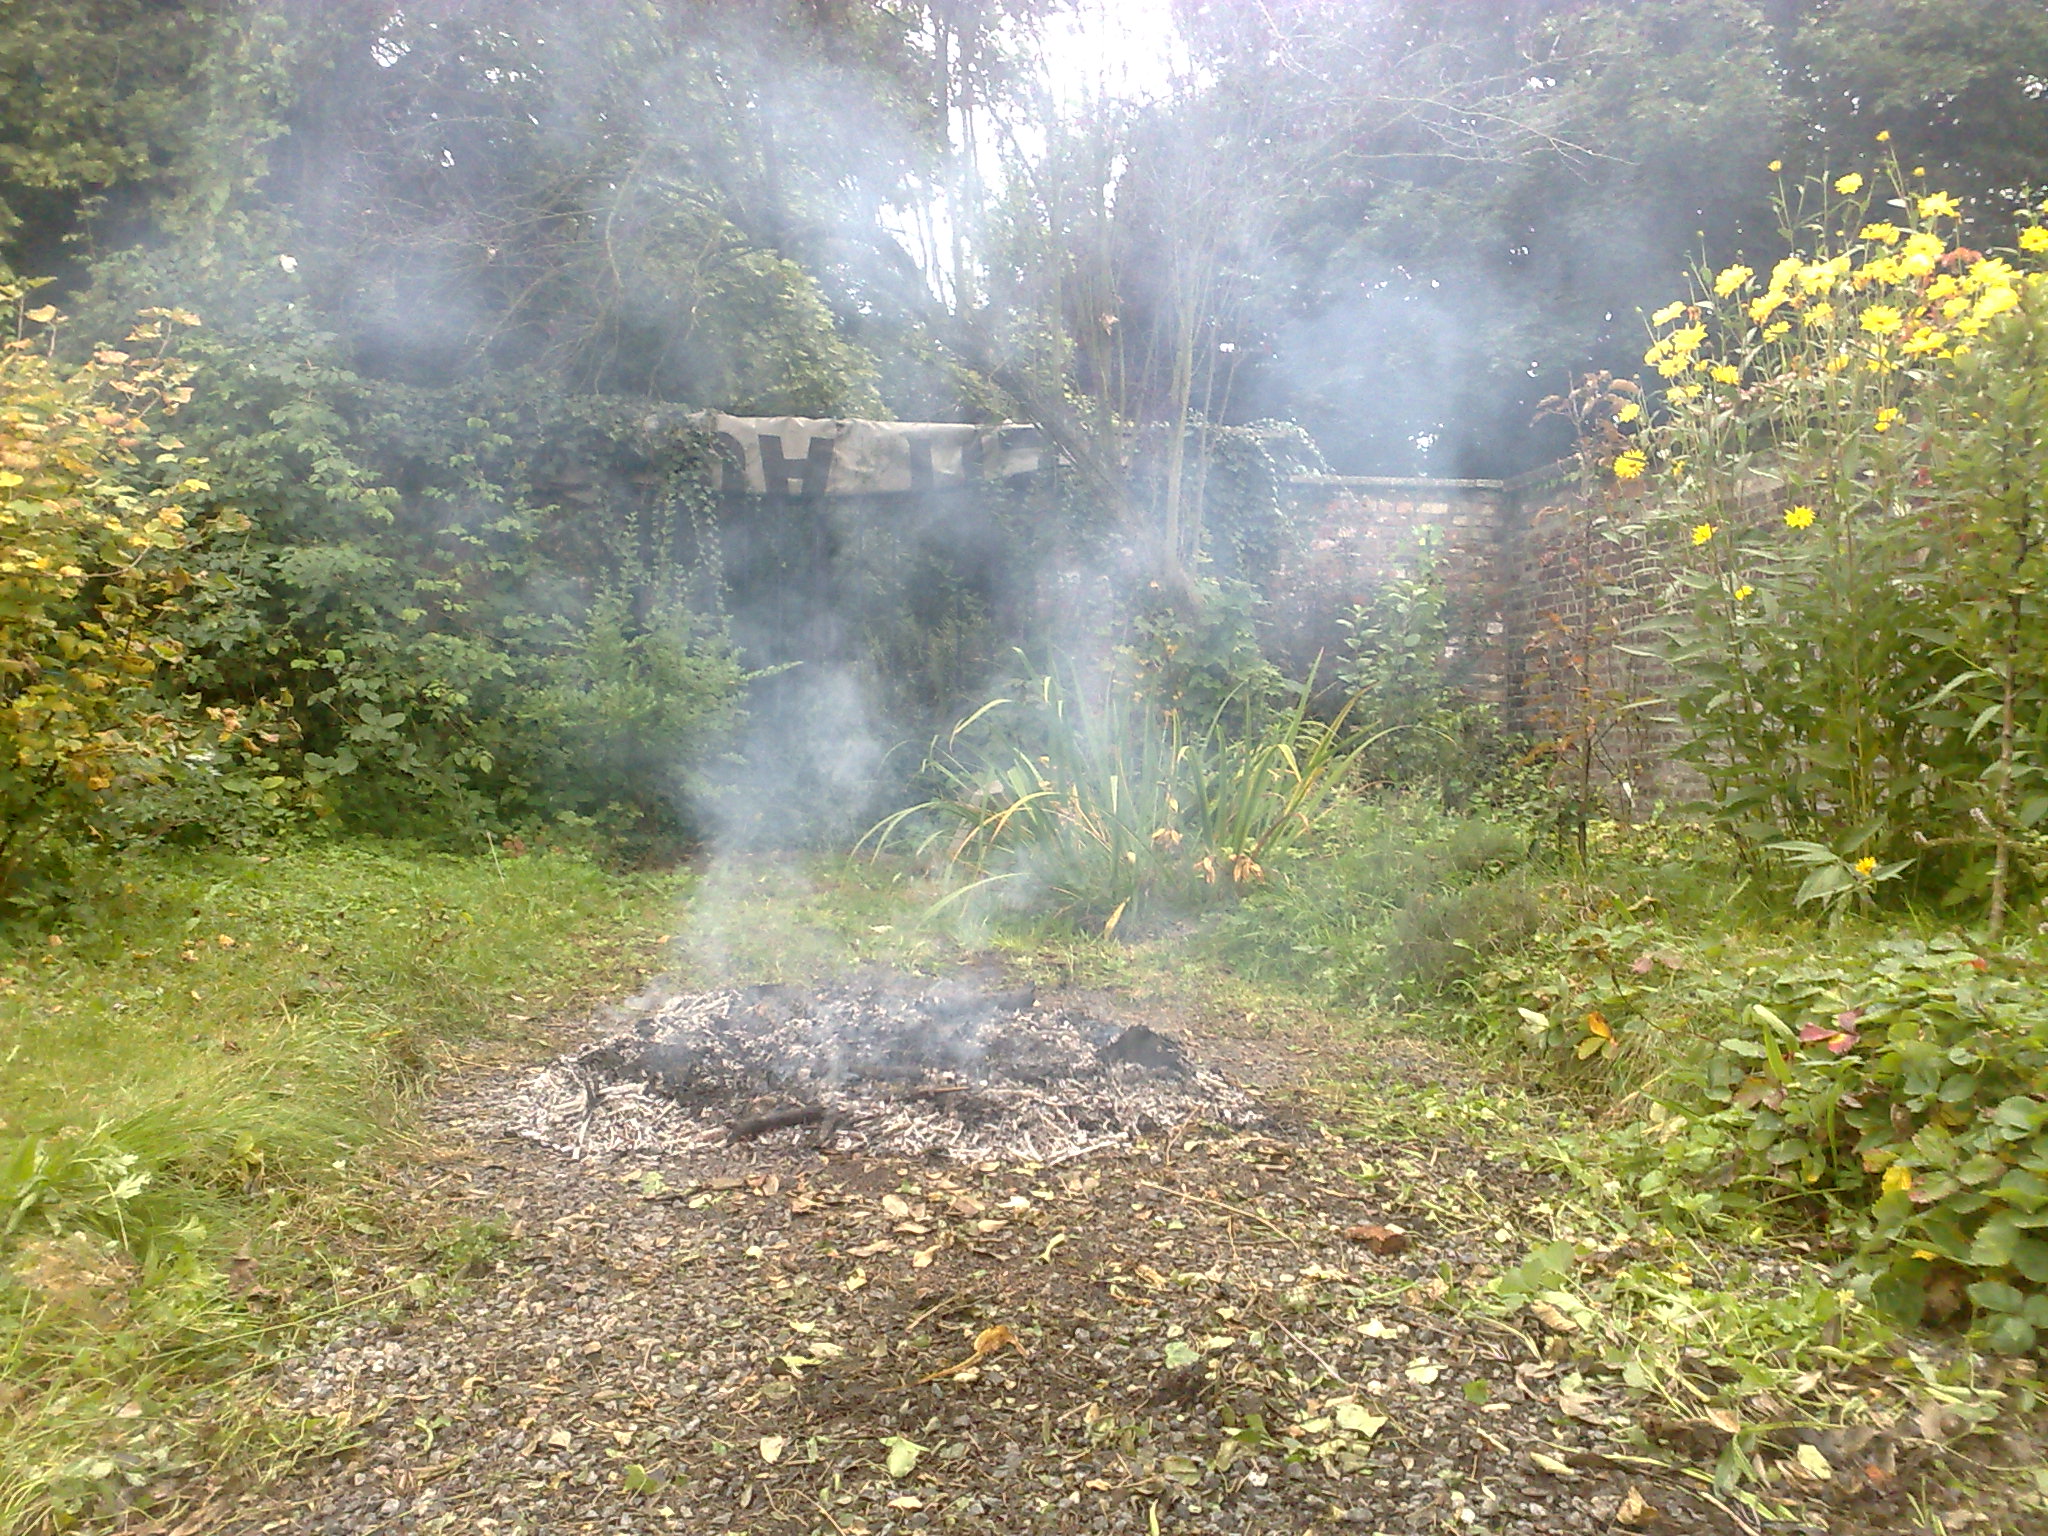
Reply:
x=967, y=1068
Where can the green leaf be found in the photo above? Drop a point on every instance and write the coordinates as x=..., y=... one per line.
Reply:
x=1996, y=1296
x=903, y=1454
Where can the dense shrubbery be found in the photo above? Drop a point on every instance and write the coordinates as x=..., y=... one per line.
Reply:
x=104, y=536
x=1853, y=460
x=432, y=612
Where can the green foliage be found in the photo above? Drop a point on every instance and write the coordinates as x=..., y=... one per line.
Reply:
x=1440, y=938
x=103, y=535
x=1087, y=798
x=1202, y=658
x=1854, y=473
x=1897, y=1089
x=1326, y=924
x=1418, y=724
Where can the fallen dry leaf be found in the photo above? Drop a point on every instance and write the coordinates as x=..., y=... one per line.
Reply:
x=1635, y=1509
x=987, y=1342
x=1384, y=1241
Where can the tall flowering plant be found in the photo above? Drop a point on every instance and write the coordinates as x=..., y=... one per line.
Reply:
x=1850, y=464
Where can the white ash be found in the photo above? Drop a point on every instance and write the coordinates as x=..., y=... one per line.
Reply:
x=958, y=1071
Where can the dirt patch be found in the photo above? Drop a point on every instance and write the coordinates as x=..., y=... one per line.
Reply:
x=1214, y=1329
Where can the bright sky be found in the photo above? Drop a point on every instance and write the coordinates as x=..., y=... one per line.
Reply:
x=1125, y=49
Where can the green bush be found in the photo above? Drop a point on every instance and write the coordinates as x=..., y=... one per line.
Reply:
x=1445, y=936
x=1087, y=799
x=1904, y=1093
x=1851, y=476
x=1419, y=726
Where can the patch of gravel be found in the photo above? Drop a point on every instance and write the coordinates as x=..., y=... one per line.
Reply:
x=1215, y=1329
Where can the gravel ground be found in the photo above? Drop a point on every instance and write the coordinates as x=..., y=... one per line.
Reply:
x=1216, y=1330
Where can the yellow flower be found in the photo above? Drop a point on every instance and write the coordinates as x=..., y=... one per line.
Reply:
x=1866, y=866
x=1993, y=274
x=1744, y=592
x=1763, y=306
x=1630, y=464
x=1799, y=517
x=1668, y=313
x=1849, y=185
x=1725, y=373
x=1731, y=279
x=1924, y=342
x=1919, y=170
x=1822, y=275
x=1775, y=166
x=1820, y=314
x=1886, y=417
x=1884, y=269
x=1994, y=301
x=1687, y=339
x=1628, y=413
x=2034, y=238
x=1701, y=533
x=1883, y=234
x=1775, y=329
x=1897, y=1180
x=1684, y=391
x=1881, y=319
x=1885, y=137
x=1939, y=205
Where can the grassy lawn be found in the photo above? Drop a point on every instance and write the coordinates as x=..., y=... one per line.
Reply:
x=204, y=1069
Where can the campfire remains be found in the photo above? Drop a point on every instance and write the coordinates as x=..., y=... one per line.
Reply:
x=962, y=1069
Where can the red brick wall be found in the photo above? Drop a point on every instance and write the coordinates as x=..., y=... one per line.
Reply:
x=1544, y=588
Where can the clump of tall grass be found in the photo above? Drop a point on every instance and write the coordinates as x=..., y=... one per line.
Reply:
x=1093, y=802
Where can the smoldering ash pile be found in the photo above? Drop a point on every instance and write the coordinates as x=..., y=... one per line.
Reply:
x=962, y=1070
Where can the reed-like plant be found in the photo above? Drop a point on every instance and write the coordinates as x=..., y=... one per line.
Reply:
x=1092, y=802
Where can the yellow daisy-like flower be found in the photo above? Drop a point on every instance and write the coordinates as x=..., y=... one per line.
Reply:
x=2034, y=238
x=1668, y=313
x=1732, y=278
x=1775, y=166
x=1744, y=592
x=1764, y=306
x=1923, y=343
x=1684, y=391
x=1921, y=246
x=1687, y=339
x=1630, y=464
x=1887, y=417
x=1885, y=137
x=1919, y=170
x=1799, y=517
x=1701, y=533
x=1775, y=329
x=1881, y=320
x=1725, y=373
x=1993, y=273
x=1939, y=205
x=1866, y=866
x=1995, y=301
x=1820, y=314
x=1850, y=184
x=1883, y=234
x=1628, y=413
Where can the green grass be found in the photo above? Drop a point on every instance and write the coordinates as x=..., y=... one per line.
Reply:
x=204, y=1070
